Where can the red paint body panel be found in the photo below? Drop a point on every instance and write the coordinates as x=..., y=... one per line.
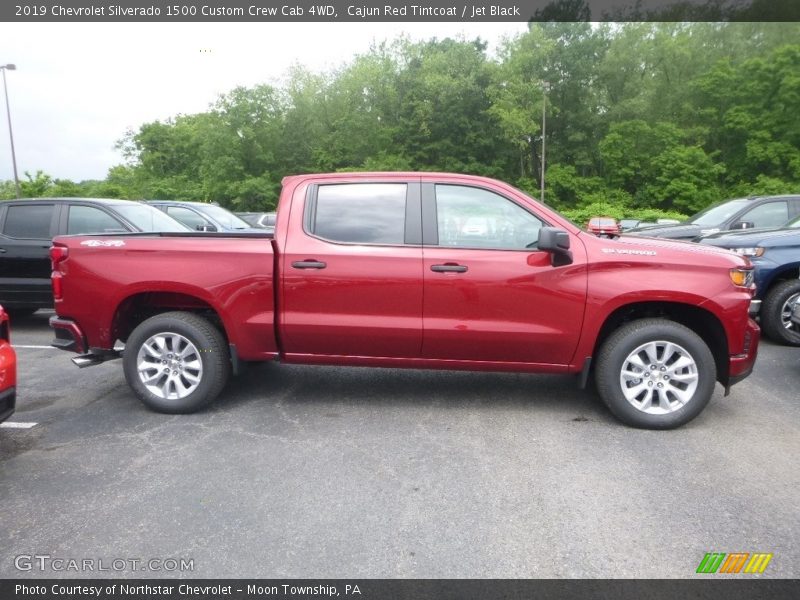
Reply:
x=510, y=306
x=237, y=283
x=382, y=305
x=366, y=301
x=8, y=369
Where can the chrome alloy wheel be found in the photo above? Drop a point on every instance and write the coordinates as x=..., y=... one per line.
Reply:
x=169, y=366
x=659, y=377
x=786, y=311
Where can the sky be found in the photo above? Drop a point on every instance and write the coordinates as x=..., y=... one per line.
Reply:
x=79, y=87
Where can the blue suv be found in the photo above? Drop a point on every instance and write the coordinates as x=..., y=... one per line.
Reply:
x=775, y=254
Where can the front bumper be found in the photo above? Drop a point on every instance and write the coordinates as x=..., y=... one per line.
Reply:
x=741, y=365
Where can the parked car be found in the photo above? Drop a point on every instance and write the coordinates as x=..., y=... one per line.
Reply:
x=360, y=274
x=8, y=369
x=27, y=227
x=626, y=224
x=262, y=220
x=201, y=216
x=741, y=213
x=775, y=255
x=603, y=227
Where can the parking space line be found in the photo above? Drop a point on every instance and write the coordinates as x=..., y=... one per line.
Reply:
x=33, y=347
x=17, y=425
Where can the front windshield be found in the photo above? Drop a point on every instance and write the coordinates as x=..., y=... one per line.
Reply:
x=716, y=215
x=148, y=218
x=224, y=217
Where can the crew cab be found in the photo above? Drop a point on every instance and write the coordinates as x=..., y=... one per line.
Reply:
x=27, y=227
x=418, y=270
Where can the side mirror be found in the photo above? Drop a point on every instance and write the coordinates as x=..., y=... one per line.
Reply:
x=743, y=225
x=206, y=227
x=556, y=242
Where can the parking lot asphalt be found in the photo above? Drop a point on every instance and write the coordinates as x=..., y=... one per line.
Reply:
x=373, y=473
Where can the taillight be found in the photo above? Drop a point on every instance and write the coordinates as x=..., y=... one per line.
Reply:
x=58, y=291
x=58, y=254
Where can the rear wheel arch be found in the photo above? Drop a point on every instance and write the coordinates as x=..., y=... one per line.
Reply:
x=137, y=308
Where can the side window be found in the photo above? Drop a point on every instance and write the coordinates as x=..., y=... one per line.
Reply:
x=187, y=217
x=89, y=219
x=31, y=222
x=360, y=213
x=475, y=218
x=771, y=214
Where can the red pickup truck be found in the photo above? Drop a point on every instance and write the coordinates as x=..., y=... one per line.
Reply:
x=419, y=270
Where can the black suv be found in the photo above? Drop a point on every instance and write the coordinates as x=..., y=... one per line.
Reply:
x=741, y=213
x=28, y=226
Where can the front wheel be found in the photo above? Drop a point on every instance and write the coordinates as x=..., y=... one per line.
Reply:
x=176, y=362
x=655, y=374
x=776, y=313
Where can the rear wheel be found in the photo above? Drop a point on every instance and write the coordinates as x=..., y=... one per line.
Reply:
x=655, y=374
x=176, y=362
x=776, y=313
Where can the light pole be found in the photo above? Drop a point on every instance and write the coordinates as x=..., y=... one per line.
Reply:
x=4, y=68
x=545, y=87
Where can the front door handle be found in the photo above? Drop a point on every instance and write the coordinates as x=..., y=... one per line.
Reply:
x=309, y=264
x=3, y=250
x=449, y=268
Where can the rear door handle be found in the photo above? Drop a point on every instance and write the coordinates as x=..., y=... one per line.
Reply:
x=3, y=250
x=309, y=264
x=449, y=268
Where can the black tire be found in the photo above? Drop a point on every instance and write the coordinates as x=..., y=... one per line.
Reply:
x=618, y=350
x=200, y=378
x=776, y=310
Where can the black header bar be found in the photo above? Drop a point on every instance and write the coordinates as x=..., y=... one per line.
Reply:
x=408, y=11
x=398, y=589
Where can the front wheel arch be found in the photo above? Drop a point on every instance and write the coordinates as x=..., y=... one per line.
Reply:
x=703, y=322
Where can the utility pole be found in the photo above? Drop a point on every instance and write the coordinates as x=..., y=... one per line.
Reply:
x=544, y=134
x=4, y=68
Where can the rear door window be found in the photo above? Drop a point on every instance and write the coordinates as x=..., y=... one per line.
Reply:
x=29, y=221
x=360, y=213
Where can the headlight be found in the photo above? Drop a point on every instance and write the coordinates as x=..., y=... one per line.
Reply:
x=742, y=277
x=749, y=252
